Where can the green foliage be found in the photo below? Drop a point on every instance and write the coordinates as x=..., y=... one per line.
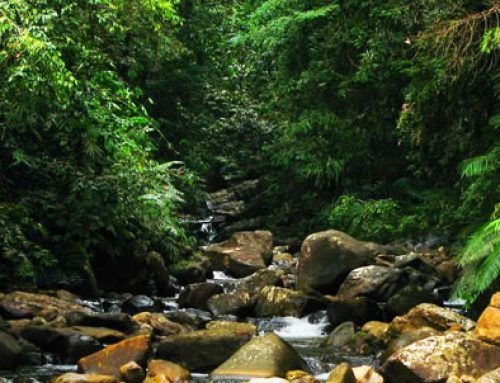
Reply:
x=376, y=220
x=75, y=146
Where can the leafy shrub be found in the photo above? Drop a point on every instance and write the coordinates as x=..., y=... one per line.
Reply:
x=376, y=220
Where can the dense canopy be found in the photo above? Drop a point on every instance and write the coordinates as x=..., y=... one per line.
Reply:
x=378, y=118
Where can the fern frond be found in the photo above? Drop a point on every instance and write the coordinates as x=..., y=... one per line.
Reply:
x=489, y=270
x=480, y=164
x=481, y=243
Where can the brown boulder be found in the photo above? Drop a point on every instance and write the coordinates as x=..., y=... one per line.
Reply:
x=162, y=371
x=243, y=254
x=327, y=257
x=109, y=360
x=488, y=325
x=433, y=359
x=490, y=377
x=19, y=305
x=197, y=294
x=342, y=374
x=131, y=372
x=201, y=350
x=430, y=315
x=236, y=328
x=366, y=374
x=278, y=301
x=259, y=280
x=264, y=357
x=160, y=324
x=373, y=281
x=239, y=303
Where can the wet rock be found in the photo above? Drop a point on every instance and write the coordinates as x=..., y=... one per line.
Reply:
x=488, y=325
x=200, y=350
x=358, y=310
x=342, y=374
x=327, y=257
x=160, y=324
x=197, y=295
x=259, y=280
x=235, y=328
x=68, y=343
x=131, y=372
x=408, y=297
x=490, y=377
x=102, y=334
x=376, y=282
x=243, y=254
x=109, y=360
x=71, y=377
x=278, y=301
x=240, y=303
x=10, y=352
x=435, y=358
x=192, y=270
x=300, y=376
x=375, y=329
x=264, y=356
x=366, y=374
x=17, y=325
x=396, y=341
x=429, y=315
x=140, y=303
x=188, y=319
x=18, y=305
x=118, y=321
x=162, y=371
x=342, y=334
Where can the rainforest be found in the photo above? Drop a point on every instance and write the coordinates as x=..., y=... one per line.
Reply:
x=227, y=189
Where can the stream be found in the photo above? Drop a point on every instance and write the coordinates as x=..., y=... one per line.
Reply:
x=304, y=334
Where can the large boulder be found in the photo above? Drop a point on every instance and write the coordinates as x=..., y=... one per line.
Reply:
x=434, y=359
x=278, y=301
x=202, y=350
x=197, y=295
x=342, y=374
x=327, y=257
x=408, y=297
x=341, y=335
x=160, y=324
x=109, y=360
x=264, y=356
x=162, y=371
x=358, y=310
x=259, y=280
x=488, y=325
x=490, y=377
x=197, y=268
x=10, y=352
x=430, y=315
x=140, y=303
x=373, y=281
x=20, y=304
x=241, y=304
x=236, y=328
x=243, y=254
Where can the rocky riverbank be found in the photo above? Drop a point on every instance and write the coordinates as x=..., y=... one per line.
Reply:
x=376, y=314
